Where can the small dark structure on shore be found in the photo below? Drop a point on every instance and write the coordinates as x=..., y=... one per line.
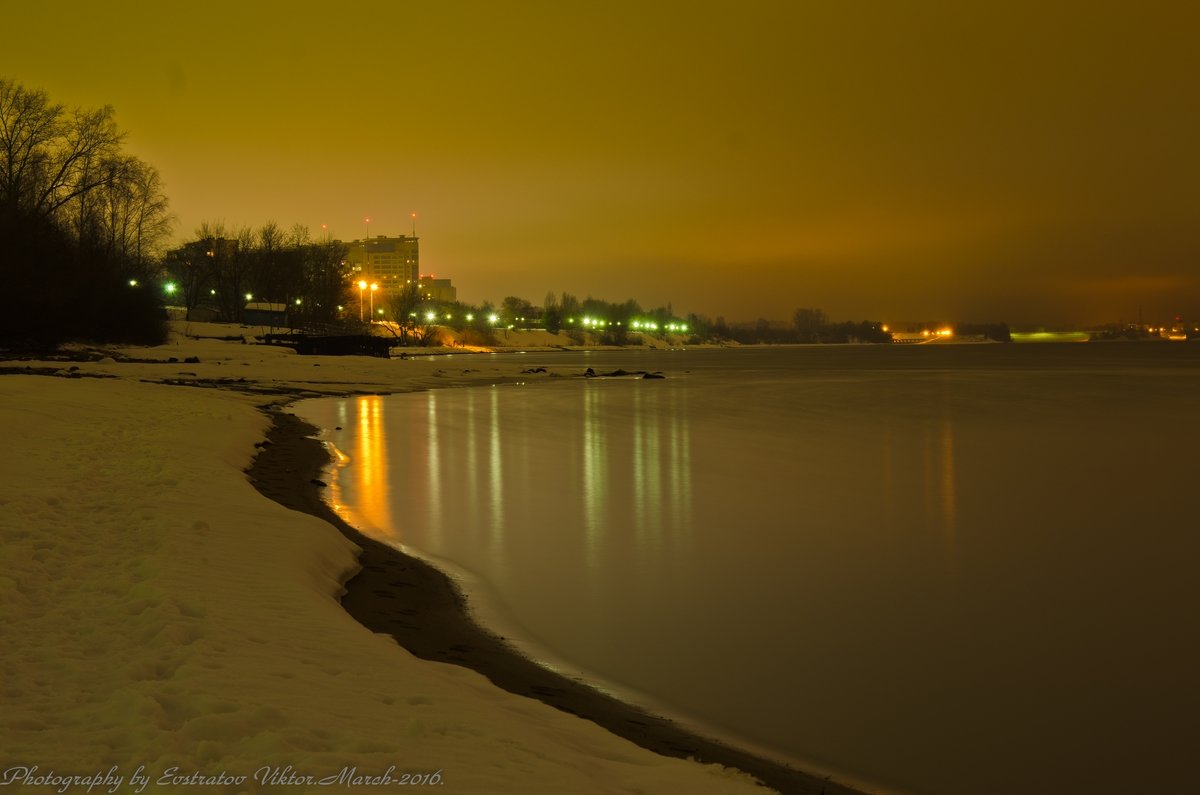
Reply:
x=261, y=313
x=333, y=344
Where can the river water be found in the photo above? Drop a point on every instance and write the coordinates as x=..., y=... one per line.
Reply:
x=934, y=569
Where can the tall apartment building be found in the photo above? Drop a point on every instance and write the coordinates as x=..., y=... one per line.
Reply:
x=390, y=262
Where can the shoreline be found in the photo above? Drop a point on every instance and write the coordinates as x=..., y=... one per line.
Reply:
x=424, y=612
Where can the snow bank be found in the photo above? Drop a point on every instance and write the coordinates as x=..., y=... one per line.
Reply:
x=157, y=612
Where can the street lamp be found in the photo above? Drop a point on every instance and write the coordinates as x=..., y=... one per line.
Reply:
x=362, y=285
x=374, y=287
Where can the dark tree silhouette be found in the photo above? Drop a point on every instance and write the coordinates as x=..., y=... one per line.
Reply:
x=79, y=224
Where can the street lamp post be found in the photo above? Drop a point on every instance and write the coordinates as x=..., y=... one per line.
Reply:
x=362, y=285
x=374, y=287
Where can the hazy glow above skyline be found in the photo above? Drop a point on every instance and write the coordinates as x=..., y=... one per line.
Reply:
x=1025, y=162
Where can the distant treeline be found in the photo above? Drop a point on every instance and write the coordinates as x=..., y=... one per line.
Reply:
x=222, y=270
x=812, y=326
x=808, y=326
x=81, y=223
x=601, y=321
x=998, y=332
x=584, y=321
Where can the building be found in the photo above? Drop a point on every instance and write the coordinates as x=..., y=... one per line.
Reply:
x=439, y=291
x=263, y=313
x=391, y=262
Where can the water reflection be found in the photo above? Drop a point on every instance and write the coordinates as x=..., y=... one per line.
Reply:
x=949, y=514
x=470, y=484
x=495, y=471
x=370, y=462
x=680, y=465
x=433, y=465
x=594, y=483
x=636, y=468
x=647, y=475
x=888, y=482
x=919, y=480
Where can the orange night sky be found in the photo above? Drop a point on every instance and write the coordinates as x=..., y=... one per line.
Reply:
x=1034, y=162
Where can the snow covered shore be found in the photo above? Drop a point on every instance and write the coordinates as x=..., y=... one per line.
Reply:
x=159, y=617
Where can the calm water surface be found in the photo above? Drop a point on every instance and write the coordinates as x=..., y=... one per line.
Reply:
x=958, y=569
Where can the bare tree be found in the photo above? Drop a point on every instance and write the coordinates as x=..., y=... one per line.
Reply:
x=325, y=284
x=49, y=157
x=29, y=124
x=151, y=215
x=229, y=260
x=810, y=324
x=404, y=307
x=268, y=262
x=299, y=236
x=129, y=216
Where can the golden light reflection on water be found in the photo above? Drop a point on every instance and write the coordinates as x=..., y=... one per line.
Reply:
x=889, y=479
x=661, y=470
x=930, y=489
x=644, y=464
x=470, y=483
x=433, y=468
x=949, y=492
x=495, y=470
x=680, y=462
x=370, y=460
x=646, y=472
x=594, y=483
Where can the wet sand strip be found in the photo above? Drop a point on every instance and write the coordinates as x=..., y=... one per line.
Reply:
x=423, y=610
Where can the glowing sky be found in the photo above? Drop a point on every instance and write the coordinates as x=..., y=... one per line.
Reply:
x=1029, y=161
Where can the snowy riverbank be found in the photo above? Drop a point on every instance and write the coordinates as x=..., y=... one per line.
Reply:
x=161, y=614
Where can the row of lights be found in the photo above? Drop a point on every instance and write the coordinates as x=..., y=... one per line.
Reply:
x=592, y=322
x=170, y=288
x=650, y=325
